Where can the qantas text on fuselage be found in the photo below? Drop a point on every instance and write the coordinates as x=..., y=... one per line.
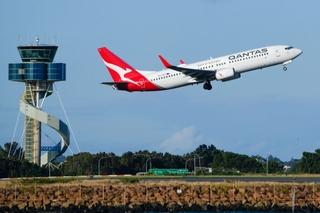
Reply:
x=224, y=68
x=248, y=54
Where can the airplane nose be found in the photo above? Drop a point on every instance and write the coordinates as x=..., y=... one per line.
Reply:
x=299, y=52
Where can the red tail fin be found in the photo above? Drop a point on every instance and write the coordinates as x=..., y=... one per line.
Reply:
x=125, y=77
x=116, y=66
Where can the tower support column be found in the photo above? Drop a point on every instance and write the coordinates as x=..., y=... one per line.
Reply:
x=32, y=137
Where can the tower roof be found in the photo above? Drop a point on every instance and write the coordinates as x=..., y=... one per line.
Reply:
x=37, y=53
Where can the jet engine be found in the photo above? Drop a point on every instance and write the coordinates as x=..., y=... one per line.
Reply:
x=224, y=73
x=227, y=74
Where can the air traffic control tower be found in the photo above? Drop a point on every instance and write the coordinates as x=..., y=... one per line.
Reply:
x=39, y=74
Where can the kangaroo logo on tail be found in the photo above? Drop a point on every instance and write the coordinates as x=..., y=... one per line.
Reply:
x=121, y=72
x=117, y=67
x=124, y=76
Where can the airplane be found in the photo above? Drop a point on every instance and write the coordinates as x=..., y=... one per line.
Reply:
x=224, y=68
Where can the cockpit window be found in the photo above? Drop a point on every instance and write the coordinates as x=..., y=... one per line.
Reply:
x=288, y=48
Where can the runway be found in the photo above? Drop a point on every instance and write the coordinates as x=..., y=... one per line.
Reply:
x=280, y=179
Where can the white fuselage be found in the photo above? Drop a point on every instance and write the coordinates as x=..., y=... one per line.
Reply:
x=240, y=62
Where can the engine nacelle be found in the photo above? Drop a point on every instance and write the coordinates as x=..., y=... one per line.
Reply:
x=225, y=73
x=236, y=75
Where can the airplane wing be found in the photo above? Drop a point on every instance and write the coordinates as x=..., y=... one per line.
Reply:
x=195, y=73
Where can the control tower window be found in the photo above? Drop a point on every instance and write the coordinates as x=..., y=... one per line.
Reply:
x=39, y=54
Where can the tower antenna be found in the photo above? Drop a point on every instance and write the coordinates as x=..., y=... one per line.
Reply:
x=37, y=40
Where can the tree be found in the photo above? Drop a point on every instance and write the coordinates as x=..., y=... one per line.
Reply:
x=13, y=150
x=78, y=164
x=310, y=162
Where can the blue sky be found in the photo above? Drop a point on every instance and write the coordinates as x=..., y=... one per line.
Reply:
x=264, y=112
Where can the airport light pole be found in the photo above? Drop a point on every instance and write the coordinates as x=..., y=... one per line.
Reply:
x=267, y=166
x=186, y=163
x=149, y=159
x=99, y=163
x=194, y=162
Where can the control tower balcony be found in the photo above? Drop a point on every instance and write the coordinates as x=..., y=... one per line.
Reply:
x=23, y=72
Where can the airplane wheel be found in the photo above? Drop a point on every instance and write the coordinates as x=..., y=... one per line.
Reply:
x=285, y=68
x=207, y=85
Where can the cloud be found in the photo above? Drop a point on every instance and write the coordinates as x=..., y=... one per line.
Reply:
x=183, y=141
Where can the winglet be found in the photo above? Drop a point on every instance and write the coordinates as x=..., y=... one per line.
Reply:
x=164, y=62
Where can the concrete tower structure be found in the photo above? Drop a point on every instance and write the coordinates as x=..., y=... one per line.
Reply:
x=39, y=73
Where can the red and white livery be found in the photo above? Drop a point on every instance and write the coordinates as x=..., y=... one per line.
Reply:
x=225, y=68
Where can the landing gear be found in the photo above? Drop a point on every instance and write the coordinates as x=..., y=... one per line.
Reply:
x=285, y=68
x=207, y=85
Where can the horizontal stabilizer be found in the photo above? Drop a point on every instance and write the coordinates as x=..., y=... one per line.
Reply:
x=115, y=83
x=122, y=85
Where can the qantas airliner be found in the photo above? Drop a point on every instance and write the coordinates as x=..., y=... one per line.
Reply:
x=224, y=68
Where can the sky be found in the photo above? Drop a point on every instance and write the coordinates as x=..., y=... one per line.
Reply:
x=266, y=112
